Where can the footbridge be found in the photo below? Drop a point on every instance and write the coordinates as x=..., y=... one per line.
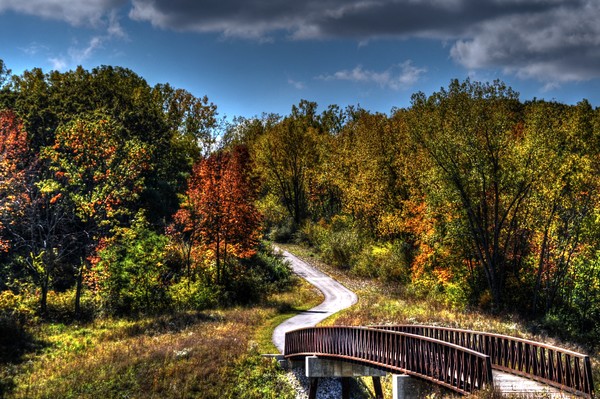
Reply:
x=461, y=360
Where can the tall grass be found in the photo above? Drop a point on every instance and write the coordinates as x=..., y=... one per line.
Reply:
x=210, y=354
x=138, y=359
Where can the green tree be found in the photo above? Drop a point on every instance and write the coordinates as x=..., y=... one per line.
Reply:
x=129, y=270
x=472, y=134
x=369, y=157
x=171, y=121
x=36, y=224
x=285, y=154
x=100, y=173
x=563, y=198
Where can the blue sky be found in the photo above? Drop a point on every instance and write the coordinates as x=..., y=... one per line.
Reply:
x=255, y=56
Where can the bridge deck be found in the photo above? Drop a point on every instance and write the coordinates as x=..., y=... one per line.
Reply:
x=511, y=384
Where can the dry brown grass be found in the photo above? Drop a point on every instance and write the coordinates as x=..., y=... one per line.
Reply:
x=150, y=358
x=182, y=355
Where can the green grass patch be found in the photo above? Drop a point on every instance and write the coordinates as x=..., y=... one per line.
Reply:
x=302, y=296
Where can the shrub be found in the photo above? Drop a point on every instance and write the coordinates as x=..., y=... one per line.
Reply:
x=387, y=262
x=61, y=306
x=258, y=276
x=192, y=295
x=17, y=313
x=312, y=234
x=274, y=214
x=130, y=270
x=342, y=248
x=259, y=377
x=283, y=231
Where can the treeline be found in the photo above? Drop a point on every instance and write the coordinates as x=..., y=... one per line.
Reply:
x=119, y=198
x=134, y=198
x=468, y=195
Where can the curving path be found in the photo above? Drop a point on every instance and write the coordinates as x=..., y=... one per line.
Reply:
x=337, y=297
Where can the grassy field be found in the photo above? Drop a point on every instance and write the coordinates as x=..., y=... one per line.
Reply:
x=213, y=354
x=216, y=354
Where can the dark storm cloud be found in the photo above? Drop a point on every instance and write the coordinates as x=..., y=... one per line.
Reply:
x=330, y=18
x=553, y=41
x=559, y=45
x=442, y=19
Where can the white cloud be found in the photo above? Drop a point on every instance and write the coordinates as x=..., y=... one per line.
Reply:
x=544, y=40
x=114, y=26
x=34, y=48
x=79, y=55
x=398, y=77
x=58, y=63
x=555, y=46
x=296, y=84
x=100, y=15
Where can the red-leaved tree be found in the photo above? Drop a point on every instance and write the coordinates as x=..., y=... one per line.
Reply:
x=219, y=217
x=13, y=165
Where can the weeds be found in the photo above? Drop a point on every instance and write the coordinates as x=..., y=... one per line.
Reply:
x=183, y=355
x=210, y=354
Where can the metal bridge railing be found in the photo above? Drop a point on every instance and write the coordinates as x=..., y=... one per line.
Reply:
x=458, y=368
x=562, y=368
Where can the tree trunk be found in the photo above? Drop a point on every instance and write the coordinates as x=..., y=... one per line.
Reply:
x=78, y=290
x=218, y=260
x=44, y=298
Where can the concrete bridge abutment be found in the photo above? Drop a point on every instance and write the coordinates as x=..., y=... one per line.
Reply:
x=403, y=385
x=317, y=367
x=406, y=387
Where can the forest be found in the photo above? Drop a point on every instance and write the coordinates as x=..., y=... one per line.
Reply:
x=121, y=198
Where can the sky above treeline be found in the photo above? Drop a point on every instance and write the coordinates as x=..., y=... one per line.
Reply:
x=255, y=56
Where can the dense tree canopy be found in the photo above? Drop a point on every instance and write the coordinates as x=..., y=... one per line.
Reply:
x=468, y=194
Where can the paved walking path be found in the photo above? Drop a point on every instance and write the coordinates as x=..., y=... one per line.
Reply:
x=337, y=297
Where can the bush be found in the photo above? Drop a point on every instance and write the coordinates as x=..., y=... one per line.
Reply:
x=131, y=269
x=259, y=377
x=283, y=232
x=17, y=313
x=342, y=248
x=387, y=262
x=274, y=214
x=61, y=306
x=192, y=295
x=259, y=276
x=312, y=234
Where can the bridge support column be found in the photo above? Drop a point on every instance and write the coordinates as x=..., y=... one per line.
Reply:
x=406, y=387
x=322, y=367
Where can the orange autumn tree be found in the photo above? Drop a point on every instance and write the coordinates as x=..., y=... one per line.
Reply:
x=13, y=155
x=219, y=217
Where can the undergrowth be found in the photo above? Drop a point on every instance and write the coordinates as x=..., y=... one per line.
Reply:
x=208, y=354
